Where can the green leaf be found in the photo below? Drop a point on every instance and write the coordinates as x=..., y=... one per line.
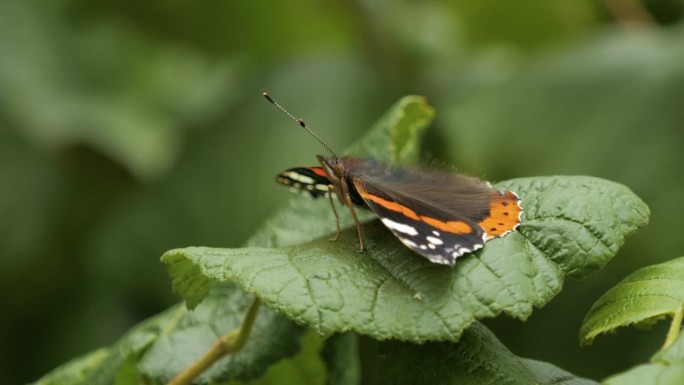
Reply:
x=395, y=138
x=183, y=342
x=578, y=222
x=479, y=358
x=651, y=374
x=645, y=296
x=571, y=225
x=74, y=371
x=666, y=368
x=672, y=353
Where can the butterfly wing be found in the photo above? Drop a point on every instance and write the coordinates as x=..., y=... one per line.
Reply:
x=440, y=216
x=311, y=181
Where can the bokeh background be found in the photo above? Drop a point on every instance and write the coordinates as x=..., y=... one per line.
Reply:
x=129, y=128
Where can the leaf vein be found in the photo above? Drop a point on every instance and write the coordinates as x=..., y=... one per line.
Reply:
x=412, y=290
x=308, y=288
x=591, y=230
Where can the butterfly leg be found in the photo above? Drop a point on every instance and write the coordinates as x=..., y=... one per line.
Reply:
x=331, y=189
x=356, y=220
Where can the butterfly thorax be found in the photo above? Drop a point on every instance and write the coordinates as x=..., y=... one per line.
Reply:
x=337, y=171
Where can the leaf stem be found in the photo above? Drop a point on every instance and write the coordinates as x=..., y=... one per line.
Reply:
x=230, y=343
x=675, y=326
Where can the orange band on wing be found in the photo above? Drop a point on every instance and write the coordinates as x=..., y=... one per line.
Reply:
x=504, y=215
x=318, y=171
x=394, y=206
x=454, y=227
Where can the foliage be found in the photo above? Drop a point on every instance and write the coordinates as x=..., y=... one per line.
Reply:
x=641, y=299
x=572, y=225
x=128, y=129
x=666, y=368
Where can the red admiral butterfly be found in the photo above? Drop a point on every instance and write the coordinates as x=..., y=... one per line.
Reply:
x=439, y=215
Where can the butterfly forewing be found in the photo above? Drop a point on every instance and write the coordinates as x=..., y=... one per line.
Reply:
x=310, y=181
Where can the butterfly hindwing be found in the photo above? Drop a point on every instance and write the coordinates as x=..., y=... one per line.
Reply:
x=423, y=228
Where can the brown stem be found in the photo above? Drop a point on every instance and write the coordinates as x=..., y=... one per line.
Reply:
x=230, y=343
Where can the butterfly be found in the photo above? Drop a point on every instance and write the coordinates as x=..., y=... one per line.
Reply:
x=438, y=214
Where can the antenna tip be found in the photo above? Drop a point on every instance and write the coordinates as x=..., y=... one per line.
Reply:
x=301, y=122
x=268, y=97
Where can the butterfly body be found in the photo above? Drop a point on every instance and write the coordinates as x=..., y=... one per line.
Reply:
x=438, y=214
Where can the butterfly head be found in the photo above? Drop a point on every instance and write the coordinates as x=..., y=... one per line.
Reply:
x=335, y=168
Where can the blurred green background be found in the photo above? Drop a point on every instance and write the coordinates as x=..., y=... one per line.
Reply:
x=130, y=128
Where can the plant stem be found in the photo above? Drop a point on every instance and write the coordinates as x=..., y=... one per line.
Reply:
x=230, y=343
x=675, y=326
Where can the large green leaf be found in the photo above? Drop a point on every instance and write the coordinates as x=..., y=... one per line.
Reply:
x=478, y=359
x=571, y=225
x=644, y=297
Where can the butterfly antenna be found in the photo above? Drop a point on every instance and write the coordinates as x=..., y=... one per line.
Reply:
x=301, y=123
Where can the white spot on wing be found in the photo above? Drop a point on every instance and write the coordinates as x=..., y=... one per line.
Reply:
x=400, y=227
x=300, y=178
x=439, y=259
x=408, y=242
x=434, y=241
